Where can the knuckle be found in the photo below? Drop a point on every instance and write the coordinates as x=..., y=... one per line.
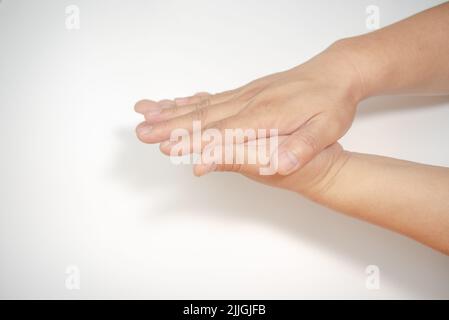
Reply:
x=205, y=102
x=173, y=110
x=200, y=113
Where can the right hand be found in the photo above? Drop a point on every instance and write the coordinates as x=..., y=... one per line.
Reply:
x=313, y=105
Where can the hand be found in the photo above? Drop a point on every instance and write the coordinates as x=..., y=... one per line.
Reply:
x=315, y=178
x=312, y=104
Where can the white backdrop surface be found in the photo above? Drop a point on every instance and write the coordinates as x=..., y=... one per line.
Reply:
x=78, y=189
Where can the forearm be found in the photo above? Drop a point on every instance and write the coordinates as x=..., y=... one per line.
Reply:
x=409, y=198
x=410, y=56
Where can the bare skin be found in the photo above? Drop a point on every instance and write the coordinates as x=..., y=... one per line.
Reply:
x=313, y=105
x=403, y=196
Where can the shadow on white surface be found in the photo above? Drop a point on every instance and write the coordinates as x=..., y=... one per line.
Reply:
x=393, y=104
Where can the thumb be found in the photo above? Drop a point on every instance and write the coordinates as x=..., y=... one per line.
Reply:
x=305, y=143
x=249, y=158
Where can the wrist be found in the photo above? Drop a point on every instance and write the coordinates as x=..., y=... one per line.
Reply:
x=370, y=63
x=351, y=70
x=321, y=175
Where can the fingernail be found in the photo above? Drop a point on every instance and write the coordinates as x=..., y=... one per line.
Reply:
x=145, y=130
x=287, y=162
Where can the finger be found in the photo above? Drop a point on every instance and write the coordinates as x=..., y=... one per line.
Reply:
x=234, y=129
x=205, y=96
x=161, y=131
x=248, y=158
x=200, y=100
x=163, y=114
x=197, y=97
x=305, y=143
x=146, y=106
x=142, y=130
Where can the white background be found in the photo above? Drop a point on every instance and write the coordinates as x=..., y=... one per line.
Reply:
x=77, y=188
